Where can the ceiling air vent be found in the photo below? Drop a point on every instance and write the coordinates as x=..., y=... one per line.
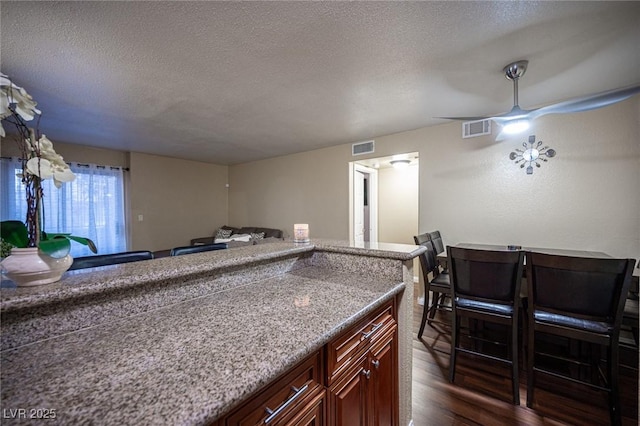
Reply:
x=471, y=129
x=362, y=148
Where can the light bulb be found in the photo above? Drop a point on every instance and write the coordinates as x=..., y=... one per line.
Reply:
x=516, y=126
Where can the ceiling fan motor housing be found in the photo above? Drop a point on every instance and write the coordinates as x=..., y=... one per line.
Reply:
x=515, y=70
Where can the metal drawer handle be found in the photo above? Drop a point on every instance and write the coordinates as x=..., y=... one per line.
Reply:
x=366, y=373
x=376, y=363
x=274, y=413
x=373, y=330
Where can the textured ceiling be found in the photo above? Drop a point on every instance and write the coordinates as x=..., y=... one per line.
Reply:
x=230, y=82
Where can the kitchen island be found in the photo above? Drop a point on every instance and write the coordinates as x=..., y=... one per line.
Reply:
x=184, y=340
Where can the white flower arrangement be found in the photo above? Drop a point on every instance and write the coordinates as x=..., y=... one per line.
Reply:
x=39, y=161
x=23, y=104
x=49, y=164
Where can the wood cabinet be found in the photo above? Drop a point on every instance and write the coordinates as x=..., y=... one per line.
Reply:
x=363, y=373
x=310, y=414
x=384, y=381
x=352, y=381
x=296, y=398
x=348, y=396
x=347, y=348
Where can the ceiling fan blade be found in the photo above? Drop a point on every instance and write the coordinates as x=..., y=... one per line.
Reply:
x=501, y=136
x=587, y=103
x=516, y=113
x=467, y=118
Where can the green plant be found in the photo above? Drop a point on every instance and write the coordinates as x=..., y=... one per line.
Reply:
x=5, y=248
x=15, y=233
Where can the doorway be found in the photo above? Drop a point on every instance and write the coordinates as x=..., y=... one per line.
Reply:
x=392, y=207
x=363, y=225
x=383, y=204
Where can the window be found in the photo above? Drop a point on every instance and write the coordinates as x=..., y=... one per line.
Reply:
x=91, y=206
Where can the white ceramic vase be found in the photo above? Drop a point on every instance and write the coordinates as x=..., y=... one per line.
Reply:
x=30, y=267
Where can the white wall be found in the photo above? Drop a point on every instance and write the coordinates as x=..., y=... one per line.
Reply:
x=310, y=187
x=398, y=204
x=587, y=197
x=178, y=200
x=398, y=218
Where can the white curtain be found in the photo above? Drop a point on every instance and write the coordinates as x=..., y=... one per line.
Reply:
x=91, y=206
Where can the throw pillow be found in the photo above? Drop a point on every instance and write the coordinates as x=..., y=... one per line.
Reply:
x=257, y=236
x=223, y=233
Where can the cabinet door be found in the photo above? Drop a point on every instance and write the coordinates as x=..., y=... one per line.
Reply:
x=383, y=385
x=348, y=396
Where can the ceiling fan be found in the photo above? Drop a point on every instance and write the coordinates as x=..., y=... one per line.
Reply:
x=518, y=120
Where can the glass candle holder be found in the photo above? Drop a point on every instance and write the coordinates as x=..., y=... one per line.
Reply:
x=301, y=233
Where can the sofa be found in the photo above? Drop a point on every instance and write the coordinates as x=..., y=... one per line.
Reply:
x=239, y=237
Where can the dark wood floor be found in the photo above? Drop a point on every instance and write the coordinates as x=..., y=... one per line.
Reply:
x=482, y=392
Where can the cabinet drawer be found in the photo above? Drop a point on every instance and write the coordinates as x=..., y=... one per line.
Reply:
x=353, y=342
x=277, y=400
x=311, y=412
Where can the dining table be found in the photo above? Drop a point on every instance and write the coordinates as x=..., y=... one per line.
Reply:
x=631, y=311
x=562, y=252
x=442, y=257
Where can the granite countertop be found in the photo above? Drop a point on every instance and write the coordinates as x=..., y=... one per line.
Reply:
x=380, y=249
x=189, y=362
x=95, y=281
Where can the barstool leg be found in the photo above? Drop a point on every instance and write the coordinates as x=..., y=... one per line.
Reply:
x=425, y=310
x=614, y=395
x=530, y=364
x=455, y=333
x=515, y=380
x=434, y=305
